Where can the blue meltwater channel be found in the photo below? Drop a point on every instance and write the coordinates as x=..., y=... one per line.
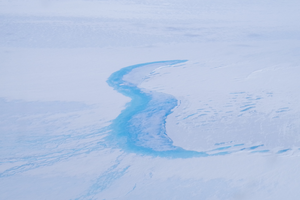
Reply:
x=141, y=126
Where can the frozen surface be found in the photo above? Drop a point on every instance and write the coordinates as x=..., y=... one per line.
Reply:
x=157, y=99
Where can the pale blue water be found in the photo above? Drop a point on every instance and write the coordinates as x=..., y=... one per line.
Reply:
x=141, y=126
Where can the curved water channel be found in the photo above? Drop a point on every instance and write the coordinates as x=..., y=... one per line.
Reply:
x=141, y=126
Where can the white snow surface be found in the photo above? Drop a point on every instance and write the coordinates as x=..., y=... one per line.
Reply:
x=238, y=98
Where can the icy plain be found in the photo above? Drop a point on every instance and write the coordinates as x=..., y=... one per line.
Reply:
x=140, y=99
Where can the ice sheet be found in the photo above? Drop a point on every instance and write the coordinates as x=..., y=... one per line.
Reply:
x=237, y=99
